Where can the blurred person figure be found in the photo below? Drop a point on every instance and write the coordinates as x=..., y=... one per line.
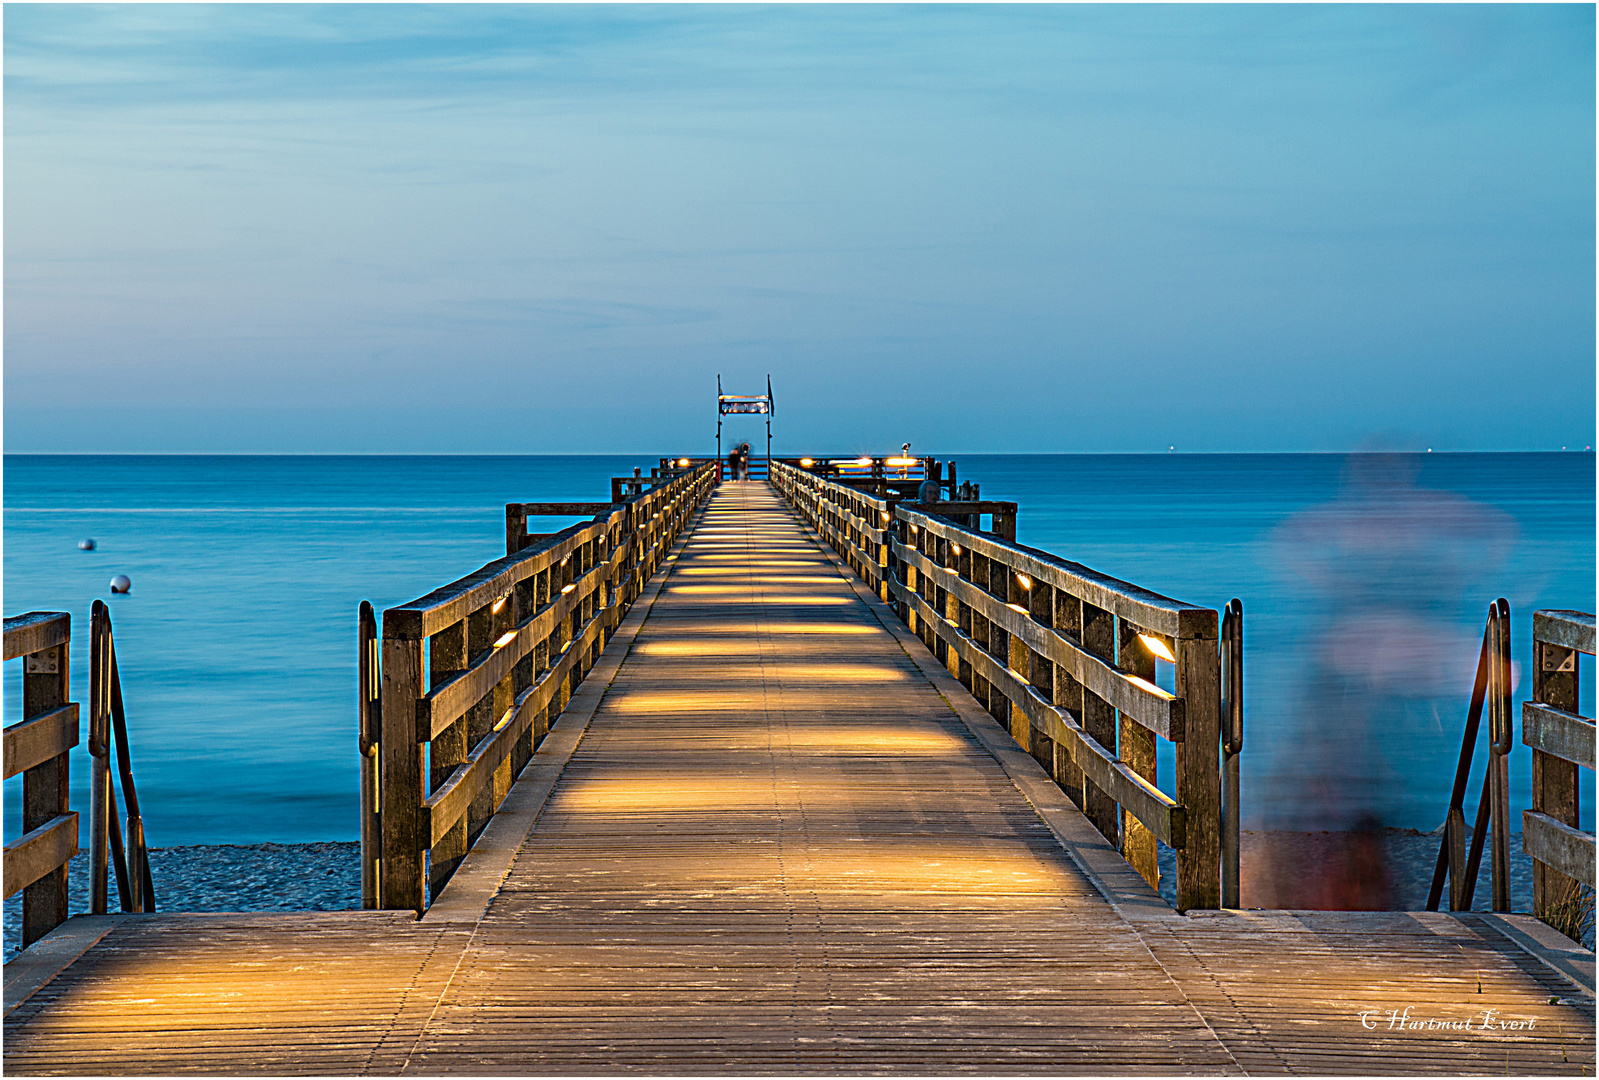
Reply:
x=1388, y=566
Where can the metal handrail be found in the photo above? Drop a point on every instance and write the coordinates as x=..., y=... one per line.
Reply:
x=1491, y=688
x=369, y=710
x=1232, y=745
x=108, y=728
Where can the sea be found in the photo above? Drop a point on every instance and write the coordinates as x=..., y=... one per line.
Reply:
x=1365, y=580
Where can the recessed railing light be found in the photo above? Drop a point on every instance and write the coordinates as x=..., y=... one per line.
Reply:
x=1157, y=646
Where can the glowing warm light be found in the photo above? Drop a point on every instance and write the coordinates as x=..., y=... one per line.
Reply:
x=1017, y=607
x=1157, y=646
x=741, y=700
x=807, y=462
x=724, y=545
x=863, y=461
x=746, y=595
x=902, y=461
x=859, y=739
x=761, y=629
x=1024, y=581
x=498, y=604
x=765, y=579
x=505, y=639
x=956, y=548
x=854, y=673
x=751, y=562
x=506, y=719
x=568, y=588
x=682, y=462
x=1150, y=687
x=728, y=647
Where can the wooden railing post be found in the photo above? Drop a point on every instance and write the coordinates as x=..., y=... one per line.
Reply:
x=1199, y=762
x=37, y=747
x=1069, y=695
x=46, y=683
x=1554, y=782
x=369, y=742
x=400, y=872
x=1562, y=741
x=447, y=657
x=1099, y=719
x=101, y=800
x=1136, y=746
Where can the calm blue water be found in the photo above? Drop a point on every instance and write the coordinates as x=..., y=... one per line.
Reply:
x=237, y=643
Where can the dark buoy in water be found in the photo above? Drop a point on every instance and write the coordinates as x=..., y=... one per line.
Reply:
x=86, y=544
x=121, y=583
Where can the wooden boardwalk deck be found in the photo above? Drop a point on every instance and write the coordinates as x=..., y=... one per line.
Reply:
x=785, y=844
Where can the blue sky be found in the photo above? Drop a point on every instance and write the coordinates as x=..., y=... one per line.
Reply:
x=546, y=229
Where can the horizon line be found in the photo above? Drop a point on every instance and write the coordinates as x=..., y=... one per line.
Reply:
x=703, y=457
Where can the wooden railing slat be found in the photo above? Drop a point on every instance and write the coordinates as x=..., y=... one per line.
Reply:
x=39, y=851
x=447, y=803
x=36, y=631
x=451, y=603
x=1134, y=603
x=446, y=703
x=1159, y=811
x=40, y=738
x=1151, y=706
x=1554, y=731
x=1571, y=629
x=1558, y=845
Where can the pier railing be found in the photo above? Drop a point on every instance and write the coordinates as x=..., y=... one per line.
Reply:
x=37, y=747
x=464, y=682
x=1561, y=740
x=1061, y=655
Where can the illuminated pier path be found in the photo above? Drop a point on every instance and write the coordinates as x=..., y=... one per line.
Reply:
x=770, y=834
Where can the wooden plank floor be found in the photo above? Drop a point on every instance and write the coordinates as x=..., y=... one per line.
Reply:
x=778, y=850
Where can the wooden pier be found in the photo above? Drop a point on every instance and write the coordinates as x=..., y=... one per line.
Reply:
x=758, y=826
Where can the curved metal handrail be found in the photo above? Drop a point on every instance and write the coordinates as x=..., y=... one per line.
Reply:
x=108, y=727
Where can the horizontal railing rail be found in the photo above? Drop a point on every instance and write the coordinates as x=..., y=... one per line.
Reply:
x=504, y=650
x=1061, y=655
x=38, y=747
x=1562, y=740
